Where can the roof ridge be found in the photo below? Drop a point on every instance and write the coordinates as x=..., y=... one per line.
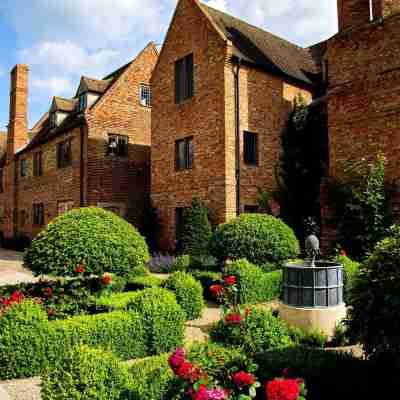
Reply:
x=255, y=27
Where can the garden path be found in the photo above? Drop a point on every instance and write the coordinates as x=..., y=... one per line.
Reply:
x=11, y=269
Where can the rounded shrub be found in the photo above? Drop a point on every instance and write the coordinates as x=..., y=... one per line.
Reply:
x=260, y=238
x=259, y=331
x=181, y=263
x=375, y=301
x=86, y=373
x=188, y=292
x=163, y=319
x=87, y=241
x=24, y=330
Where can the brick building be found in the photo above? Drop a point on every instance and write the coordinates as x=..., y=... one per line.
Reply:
x=222, y=92
x=91, y=150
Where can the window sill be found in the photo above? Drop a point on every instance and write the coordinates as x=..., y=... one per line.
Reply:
x=185, y=101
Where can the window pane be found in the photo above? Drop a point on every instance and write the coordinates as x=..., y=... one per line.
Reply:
x=145, y=95
x=190, y=152
x=180, y=154
x=189, y=76
x=178, y=81
x=250, y=148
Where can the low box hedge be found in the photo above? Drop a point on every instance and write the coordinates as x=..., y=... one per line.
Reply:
x=115, y=301
x=188, y=292
x=144, y=282
x=254, y=285
x=153, y=323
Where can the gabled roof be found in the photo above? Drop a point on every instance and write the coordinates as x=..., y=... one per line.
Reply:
x=94, y=85
x=62, y=104
x=264, y=49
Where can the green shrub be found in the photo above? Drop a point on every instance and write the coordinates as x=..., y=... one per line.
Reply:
x=84, y=373
x=188, y=292
x=259, y=238
x=120, y=332
x=254, y=285
x=23, y=341
x=259, y=331
x=205, y=262
x=197, y=230
x=375, y=301
x=163, y=318
x=351, y=269
x=316, y=339
x=144, y=282
x=181, y=263
x=152, y=379
x=115, y=301
x=98, y=240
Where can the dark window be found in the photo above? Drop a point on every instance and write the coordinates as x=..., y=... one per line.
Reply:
x=184, y=85
x=250, y=148
x=37, y=164
x=145, y=95
x=64, y=154
x=82, y=102
x=1, y=180
x=117, y=145
x=251, y=209
x=184, y=153
x=38, y=214
x=24, y=167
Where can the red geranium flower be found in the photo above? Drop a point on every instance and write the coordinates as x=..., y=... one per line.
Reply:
x=217, y=290
x=201, y=394
x=230, y=280
x=48, y=292
x=80, y=269
x=106, y=279
x=234, y=318
x=185, y=370
x=176, y=359
x=283, y=389
x=242, y=379
x=17, y=297
x=5, y=302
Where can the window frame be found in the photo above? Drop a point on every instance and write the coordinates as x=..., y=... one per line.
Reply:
x=38, y=214
x=145, y=101
x=38, y=163
x=184, y=78
x=82, y=102
x=62, y=162
x=253, y=159
x=118, y=137
x=23, y=168
x=188, y=161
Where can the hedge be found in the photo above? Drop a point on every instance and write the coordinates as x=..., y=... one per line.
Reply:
x=96, y=240
x=207, y=279
x=254, y=285
x=163, y=318
x=115, y=301
x=85, y=373
x=144, y=282
x=259, y=238
x=153, y=324
x=188, y=292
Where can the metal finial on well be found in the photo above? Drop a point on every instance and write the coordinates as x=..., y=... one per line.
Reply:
x=312, y=250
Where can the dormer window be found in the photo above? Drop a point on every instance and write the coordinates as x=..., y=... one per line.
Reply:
x=53, y=119
x=82, y=102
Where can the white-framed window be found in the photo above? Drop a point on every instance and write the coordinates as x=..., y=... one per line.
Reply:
x=117, y=145
x=145, y=95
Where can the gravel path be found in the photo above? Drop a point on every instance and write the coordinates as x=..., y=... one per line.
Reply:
x=11, y=269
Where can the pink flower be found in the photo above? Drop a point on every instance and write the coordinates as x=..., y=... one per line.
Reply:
x=177, y=359
x=216, y=394
x=201, y=394
x=283, y=389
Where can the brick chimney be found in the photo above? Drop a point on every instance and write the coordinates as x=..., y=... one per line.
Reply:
x=18, y=123
x=353, y=13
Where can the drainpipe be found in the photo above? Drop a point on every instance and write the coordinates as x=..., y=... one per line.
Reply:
x=236, y=72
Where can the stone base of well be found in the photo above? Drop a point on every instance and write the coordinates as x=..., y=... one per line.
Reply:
x=324, y=320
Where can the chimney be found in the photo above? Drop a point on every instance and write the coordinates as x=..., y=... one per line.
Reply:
x=353, y=13
x=18, y=123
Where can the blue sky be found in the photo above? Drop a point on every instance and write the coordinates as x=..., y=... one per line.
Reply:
x=64, y=39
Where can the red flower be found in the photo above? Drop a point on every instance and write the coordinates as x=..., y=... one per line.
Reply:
x=201, y=394
x=80, y=269
x=185, y=370
x=217, y=290
x=230, y=280
x=106, y=279
x=343, y=253
x=234, y=318
x=283, y=389
x=50, y=312
x=17, y=297
x=242, y=379
x=177, y=359
x=48, y=292
x=5, y=302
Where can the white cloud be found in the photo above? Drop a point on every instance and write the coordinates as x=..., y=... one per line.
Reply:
x=218, y=4
x=52, y=85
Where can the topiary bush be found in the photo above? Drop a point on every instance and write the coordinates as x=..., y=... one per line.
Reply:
x=163, y=318
x=86, y=373
x=260, y=238
x=254, y=285
x=181, y=263
x=259, y=331
x=375, y=301
x=87, y=241
x=197, y=230
x=24, y=331
x=188, y=292
x=351, y=269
